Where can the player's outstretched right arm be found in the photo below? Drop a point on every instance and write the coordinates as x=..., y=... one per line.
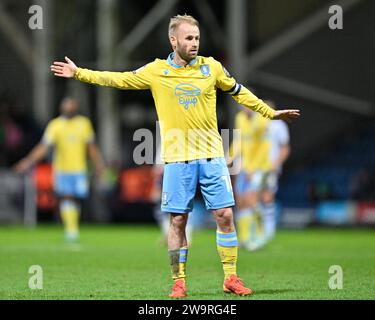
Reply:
x=139, y=79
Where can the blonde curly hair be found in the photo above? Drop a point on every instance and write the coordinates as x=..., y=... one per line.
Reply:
x=177, y=20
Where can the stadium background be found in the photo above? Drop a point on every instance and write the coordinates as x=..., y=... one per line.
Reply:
x=286, y=53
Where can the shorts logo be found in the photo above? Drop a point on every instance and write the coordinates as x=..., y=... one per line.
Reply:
x=205, y=69
x=187, y=94
x=164, y=198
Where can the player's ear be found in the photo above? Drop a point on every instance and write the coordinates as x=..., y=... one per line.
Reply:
x=173, y=41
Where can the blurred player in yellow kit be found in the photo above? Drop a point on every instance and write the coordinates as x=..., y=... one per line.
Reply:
x=184, y=89
x=279, y=153
x=263, y=149
x=71, y=136
x=254, y=150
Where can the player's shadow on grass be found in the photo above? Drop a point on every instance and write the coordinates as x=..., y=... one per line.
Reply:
x=273, y=291
x=226, y=295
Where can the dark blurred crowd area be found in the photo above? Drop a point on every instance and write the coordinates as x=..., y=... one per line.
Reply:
x=18, y=130
x=362, y=184
x=361, y=187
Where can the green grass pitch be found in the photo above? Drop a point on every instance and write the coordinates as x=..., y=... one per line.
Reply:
x=127, y=262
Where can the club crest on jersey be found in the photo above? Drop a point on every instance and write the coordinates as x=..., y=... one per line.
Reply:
x=205, y=69
x=187, y=94
x=166, y=71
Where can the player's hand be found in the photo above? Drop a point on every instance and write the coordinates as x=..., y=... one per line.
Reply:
x=22, y=166
x=229, y=162
x=64, y=70
x=287, y=115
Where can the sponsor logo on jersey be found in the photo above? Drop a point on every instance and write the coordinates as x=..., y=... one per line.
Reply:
x=187, y=94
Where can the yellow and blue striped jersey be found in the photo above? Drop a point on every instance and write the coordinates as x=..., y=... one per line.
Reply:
x=255, y=142
x=185, y=100
x=69, y=137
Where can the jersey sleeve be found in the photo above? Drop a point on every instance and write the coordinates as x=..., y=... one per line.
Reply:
x=239, y=93
x=224, y=81
x=49, y=136
x=139, y=79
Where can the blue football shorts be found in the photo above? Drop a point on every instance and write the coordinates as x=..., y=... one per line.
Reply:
x=272, y=181
x=258, y=181
x=181, y=179
x=253, y=183
x=71, y=184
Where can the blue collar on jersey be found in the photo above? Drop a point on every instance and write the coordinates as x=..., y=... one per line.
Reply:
x=170, y=61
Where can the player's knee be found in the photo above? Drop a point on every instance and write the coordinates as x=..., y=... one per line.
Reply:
x=253, y=199
x=178, y=221
x=245, y=203
x=224, y=215
x=267, y=197
x=248, y=200
x=240, y=202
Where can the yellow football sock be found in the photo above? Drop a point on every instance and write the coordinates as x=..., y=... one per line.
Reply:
x=227, y=246
x=178, y=260
x=258, y=221
x=182, y=263
x=243, y=227
x=70, y=216
x=174, y=256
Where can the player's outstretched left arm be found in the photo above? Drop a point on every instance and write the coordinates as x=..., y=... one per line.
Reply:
x=287, y=115
x=245, y=97
x=64, y=70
